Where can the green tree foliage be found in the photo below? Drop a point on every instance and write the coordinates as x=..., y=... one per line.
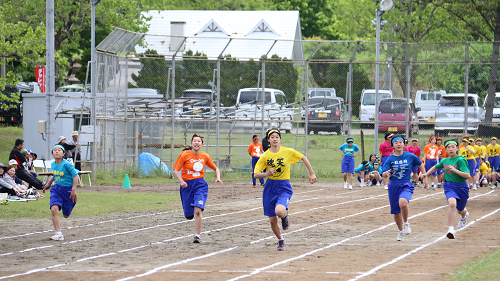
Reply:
x=153, y=73
x=316, y=16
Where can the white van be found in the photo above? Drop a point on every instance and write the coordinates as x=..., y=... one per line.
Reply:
x=367, y=107
x=322, y=92
x=248, y=107
x=496, y=109
x=426, y=103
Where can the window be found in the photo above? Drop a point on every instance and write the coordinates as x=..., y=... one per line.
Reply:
x=431, y=96
x=393, y=106
x=281, y=99
x=85, y=121
x=423, y=97
x=251, y=96
x=369, y=98
x=456, y=101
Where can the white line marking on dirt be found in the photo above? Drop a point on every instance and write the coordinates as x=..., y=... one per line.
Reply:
x=262, y=269
x=377, y=268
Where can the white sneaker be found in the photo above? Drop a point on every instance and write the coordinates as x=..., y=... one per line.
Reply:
x=474, y=187
x=350, y=187
x=57, y=237
x=345, y=185
x=433, y=187
x=362, y=185
x=406, y=228
x=451, y=235
x=416, y=184
x=463, y=221
x=439, y=184
x=386, y=187
x=378, y=184
x=401, y=236
x=370, y=183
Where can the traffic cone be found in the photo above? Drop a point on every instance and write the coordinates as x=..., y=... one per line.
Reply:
x=126, y=182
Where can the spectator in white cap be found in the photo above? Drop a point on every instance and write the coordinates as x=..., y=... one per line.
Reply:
x=61, y=140
x=74, y=153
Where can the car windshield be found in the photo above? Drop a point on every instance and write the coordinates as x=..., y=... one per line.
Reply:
x=318, y=103
x=392, y=106
x=455, y=101
x=249, y=96
x=198, y=95
x=369, y=98
x=321, y=94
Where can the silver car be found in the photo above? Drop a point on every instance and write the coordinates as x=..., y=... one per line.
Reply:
x=450, y=114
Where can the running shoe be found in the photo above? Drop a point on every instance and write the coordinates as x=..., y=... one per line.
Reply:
x=345, y=185
x=406, y=228
x=450, y=235
x=401, y=236
x=350, y=187
x=285, y=223
x=474, y=187
x=378, y=184
x=463, y=221
x=197, y=239
x=362, y=184
x=57, y=237
x=386, y=187
x=281, y=245
x=433, y=187
x=253, y=186
x=263, y=185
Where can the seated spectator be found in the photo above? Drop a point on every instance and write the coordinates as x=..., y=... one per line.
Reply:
x=8, y=178
x=16, y=179
x=29, y=161
x=6, y=187
x=21, y=173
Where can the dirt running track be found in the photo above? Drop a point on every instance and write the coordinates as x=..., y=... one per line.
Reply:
x=335, y=234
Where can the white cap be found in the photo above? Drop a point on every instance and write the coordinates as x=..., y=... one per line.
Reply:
x=12, y=162
x=74, y=133
x=60, y=139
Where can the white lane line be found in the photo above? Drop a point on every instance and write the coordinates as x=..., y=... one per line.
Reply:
x=133, y=217
x=144, y=246
x=262, y=269
x=377, y=268
x=163, y=225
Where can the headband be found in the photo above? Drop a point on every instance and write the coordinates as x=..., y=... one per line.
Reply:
x=256, y=138
x=450, y=142
x=273, y=131
x=397, y=138
x=60, y=146
x=414, y=139
x=376, y=163
x=433, y=137
x=349, y=139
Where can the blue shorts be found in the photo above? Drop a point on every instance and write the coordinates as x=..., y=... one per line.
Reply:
x=440, y=171
x=494, y=162
x=348, y=164
x=482, y=178
x=477, y=166
x=276, y=192
x=384, y=158
x=59, y=195
x=472, y=166
x=429, y=163
x=399, y=189
x=459, y=191
x=194, y=195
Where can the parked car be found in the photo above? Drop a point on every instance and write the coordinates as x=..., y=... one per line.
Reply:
x=393, y=110
x=276, y=110
x=321, y=92
x=13, y=115
x=35, y=89
x=201, y=102
x=75, y=88
x=496, y=109
x=325, y=109
x=367, y=107
x=450, y=114
x=427, y=102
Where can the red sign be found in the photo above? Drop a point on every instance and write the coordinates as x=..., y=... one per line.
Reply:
x=40, y=77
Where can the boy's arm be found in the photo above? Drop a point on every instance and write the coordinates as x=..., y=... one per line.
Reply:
x=217, y=174
x=341, y=152
x=73, y=189
x=312, y=176
x=179, y=178
x=49, y=183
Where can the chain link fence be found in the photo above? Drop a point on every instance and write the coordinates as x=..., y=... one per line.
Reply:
x=155, y=92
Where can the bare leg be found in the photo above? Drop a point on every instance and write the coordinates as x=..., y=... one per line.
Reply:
x=452, y=206
x=280, y=211
x=403, y=204
x=275, y=227
x=350, y=179
x=55, y=217
x=398, y=218
x=197, y=219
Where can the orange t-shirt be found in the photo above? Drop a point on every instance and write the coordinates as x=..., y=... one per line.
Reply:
x=442, y=152
x=430, y=151
x=192, y=164
x=255, y=149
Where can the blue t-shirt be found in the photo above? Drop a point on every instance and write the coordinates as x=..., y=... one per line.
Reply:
x=349, y=150
x=379, y=170
x=363, y=168
x=64, y=173
x=401, y=166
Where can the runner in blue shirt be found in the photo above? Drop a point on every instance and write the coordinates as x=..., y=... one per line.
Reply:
x=348, y=150
x=398, y=168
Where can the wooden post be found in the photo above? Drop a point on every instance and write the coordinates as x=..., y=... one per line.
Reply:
x=362, y=145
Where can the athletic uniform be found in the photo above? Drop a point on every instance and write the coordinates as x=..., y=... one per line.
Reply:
x=256, y=151
x=379, y=170
x=455, y=186
x=484, y=170
x=362, y=168
x=441, y=154
x=431, y=152
x=477, y=154
x=493, y=158
x=196, y=192
x=348, y=160
x=277, y=189
x=64, y=174
x=400, y=185
x=386, y=149
x=469, y=156
x=415, y=151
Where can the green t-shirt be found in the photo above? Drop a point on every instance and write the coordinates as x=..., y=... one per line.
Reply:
x=460, y=163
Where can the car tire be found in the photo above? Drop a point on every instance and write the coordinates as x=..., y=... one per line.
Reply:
x=288, y=131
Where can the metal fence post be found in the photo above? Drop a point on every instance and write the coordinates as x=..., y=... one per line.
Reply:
x=349, y=89
x=408, y=89
x=466, y=89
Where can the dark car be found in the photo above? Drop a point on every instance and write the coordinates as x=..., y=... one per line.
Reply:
x=13, y=114
x=392, y=111
x=326, y=109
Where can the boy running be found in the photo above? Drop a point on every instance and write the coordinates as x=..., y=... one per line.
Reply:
x=63, y=193
x=348, y=150
x=415, y=150
x=430, y=159
x=255, y=151
x=398, y=167
x=456, y=171
x=193, y=187
x=277, y=190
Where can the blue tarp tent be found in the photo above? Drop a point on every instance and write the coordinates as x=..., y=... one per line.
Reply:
x=148, y=163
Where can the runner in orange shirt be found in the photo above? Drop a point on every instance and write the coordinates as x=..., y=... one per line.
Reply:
x=430, y=159
x=255, y=150
x=194, y=188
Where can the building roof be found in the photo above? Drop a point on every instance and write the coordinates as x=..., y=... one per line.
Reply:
x=210, y=31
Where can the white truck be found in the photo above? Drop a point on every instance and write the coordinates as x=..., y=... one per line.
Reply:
x=367, y=106
x=427, y=102
x=276, y=112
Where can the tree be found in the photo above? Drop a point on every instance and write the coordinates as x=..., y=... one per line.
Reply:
x=482, y=19
x=153, y=73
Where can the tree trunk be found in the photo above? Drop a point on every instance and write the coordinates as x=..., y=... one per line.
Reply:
x=492, y=81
